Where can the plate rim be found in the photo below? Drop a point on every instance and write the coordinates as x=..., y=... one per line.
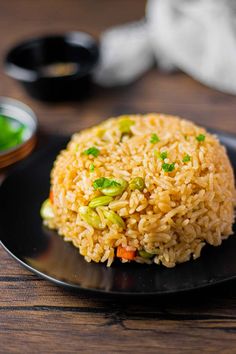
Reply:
x=71, y=286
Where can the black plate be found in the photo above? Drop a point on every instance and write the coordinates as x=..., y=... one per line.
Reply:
x=45, y=253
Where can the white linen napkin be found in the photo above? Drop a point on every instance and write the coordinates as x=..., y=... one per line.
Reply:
x=195, y=36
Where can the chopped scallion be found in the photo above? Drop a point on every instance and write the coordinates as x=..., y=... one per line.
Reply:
x=163, y=155
x=200, y=137
x=186, y=158
x=92, y=151
x=154, y=139
x=104, y=182
x=168, y=167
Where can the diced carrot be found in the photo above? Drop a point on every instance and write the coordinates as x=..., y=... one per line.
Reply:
x=123, y=253
x=51, y=196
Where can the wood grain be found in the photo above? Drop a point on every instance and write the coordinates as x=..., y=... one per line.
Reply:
x=38, y=317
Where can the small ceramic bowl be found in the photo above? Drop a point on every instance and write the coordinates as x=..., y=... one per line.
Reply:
x=22, y=114
x=56, y=67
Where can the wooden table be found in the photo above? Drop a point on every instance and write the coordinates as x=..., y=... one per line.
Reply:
x=39, y=317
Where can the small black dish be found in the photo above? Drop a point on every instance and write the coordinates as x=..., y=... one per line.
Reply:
x=56, y=67
x=44, y=252
x=20, y=114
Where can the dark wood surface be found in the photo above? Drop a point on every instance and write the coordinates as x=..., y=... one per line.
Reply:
x=39, y=317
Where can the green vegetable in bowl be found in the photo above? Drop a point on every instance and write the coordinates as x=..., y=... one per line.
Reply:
x=11, y=133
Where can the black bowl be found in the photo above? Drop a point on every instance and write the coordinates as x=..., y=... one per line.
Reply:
x=53, y=68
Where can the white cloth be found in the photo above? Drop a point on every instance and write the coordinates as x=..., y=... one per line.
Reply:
x=195, y=36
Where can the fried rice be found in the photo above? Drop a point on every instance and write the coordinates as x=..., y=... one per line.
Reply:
x=168, y=186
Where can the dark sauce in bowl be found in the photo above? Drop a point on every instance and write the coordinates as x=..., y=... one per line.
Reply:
x=59, y=69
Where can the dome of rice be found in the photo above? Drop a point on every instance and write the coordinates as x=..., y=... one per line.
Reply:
x=149, y=188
